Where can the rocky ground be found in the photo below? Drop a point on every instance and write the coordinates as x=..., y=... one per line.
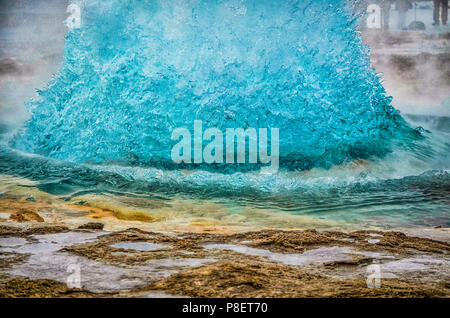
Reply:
x=78, y=250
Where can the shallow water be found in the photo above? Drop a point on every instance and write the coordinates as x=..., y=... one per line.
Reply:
x=140, y=246
x=46, y=261
x=319, y=255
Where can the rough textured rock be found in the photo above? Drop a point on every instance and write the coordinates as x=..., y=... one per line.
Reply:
x=92, y=226
x=26, y=216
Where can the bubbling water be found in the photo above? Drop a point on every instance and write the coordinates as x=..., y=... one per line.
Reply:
x=135, y=71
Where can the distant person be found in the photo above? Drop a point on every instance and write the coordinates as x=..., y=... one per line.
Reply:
x=385, y=6
x=443, y=5
x=402, y=6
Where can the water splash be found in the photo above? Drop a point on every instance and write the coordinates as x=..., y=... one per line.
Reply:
x=137, y=70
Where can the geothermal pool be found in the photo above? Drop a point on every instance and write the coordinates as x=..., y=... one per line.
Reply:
x=100, y=132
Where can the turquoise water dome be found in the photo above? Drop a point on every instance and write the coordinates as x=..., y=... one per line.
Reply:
x=137, y=70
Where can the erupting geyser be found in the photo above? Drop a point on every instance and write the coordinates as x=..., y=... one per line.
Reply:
x=137, y=70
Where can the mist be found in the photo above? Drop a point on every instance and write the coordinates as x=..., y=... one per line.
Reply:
x=31, y=47
x=419, y=83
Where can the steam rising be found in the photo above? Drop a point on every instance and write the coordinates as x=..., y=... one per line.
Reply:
x=31, y=47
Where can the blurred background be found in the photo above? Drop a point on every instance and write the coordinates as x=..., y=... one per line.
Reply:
x=31, y=47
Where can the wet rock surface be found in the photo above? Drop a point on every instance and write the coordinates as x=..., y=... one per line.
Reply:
x=26, y=216
x=37, y=262
x=91, y=226
x=253, y=279
x=85, y=251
